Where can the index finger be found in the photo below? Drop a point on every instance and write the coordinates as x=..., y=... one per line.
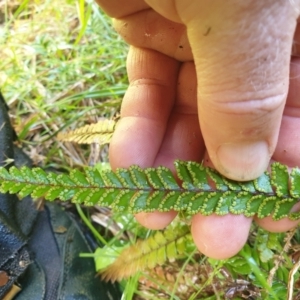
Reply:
x=117, y=9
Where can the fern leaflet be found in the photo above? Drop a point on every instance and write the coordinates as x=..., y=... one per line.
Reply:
x=100, y=132
x=155, y=250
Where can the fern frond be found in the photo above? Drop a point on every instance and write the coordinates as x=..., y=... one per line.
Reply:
x=136, y=190
x=156, y=250
x=100, y=132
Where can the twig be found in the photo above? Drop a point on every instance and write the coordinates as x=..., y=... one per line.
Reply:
x=280, y=258
x=291, y=280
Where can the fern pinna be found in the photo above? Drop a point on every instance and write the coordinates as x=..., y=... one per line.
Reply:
x=100, y=132
x=170, y=244
x=203, y=190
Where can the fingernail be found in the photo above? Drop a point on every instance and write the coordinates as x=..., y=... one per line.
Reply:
x=244, y=161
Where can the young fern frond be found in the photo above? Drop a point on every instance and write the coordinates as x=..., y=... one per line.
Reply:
x=100, y=132
x=170, y=244
x=203, y=190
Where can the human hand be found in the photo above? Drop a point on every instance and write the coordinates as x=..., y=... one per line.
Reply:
x=236, y=80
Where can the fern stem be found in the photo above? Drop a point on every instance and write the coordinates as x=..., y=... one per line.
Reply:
x=90, y=226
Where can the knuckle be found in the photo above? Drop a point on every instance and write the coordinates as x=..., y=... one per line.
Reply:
x=257, y=106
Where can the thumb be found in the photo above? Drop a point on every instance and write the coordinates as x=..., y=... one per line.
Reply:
x=242, y=55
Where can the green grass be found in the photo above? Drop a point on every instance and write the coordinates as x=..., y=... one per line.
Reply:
x=62, y=66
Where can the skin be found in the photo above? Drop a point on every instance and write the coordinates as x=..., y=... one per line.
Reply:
x=213, y=81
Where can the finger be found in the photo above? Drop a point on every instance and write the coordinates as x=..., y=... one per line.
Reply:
x=242, y=53
x=167, y=9
x=146, y=108
x=288, y=148
x=148, y=29
x=277, y=226
x=220, y=237
x=117, y=9
x=145, y=111
x=252, y=83
x=142, y=27
x=296, y=42
x=156, y=220
x=209, y=232
x=182, y=138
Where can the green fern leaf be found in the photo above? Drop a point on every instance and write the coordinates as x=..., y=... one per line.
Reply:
x=40, y=175
x=136, y=190
x=280, y=179
x=263, y=184
x=156, y=250
x=240, y=203
x=5, y=174
x=295, y=183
